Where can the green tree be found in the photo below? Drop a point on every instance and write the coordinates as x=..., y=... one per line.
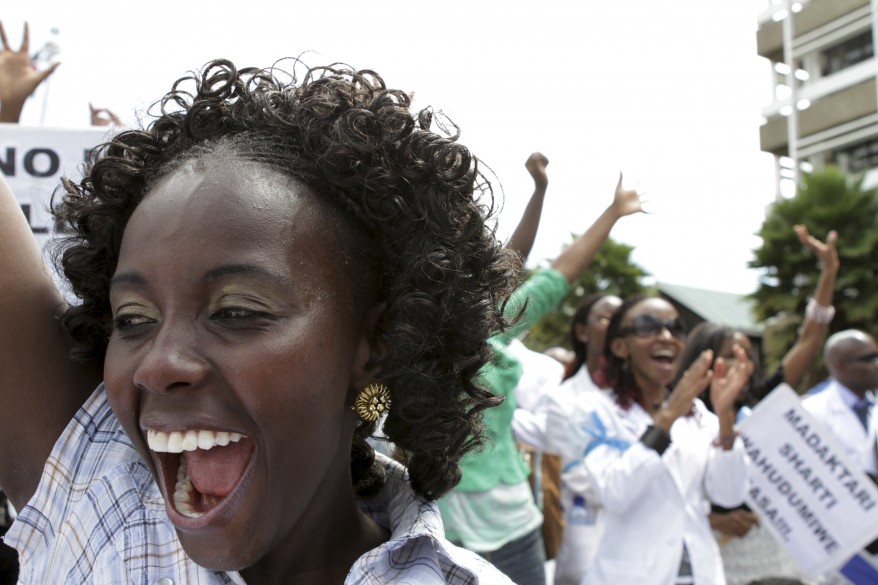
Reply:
x=611, y=271
x=827, y=200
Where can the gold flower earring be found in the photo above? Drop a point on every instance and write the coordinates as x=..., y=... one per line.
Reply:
x=373, y=401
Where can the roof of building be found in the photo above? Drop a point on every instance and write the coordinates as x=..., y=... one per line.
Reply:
x=725, y=308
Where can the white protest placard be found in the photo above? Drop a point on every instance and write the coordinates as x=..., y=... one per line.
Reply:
x=34, y=159
x=804, y=487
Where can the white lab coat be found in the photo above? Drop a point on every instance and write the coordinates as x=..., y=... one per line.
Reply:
x=584, y=524
x=541, y=376
x=829, y=407
x=654, y=503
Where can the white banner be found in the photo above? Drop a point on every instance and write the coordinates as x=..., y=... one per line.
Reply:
x=804, y=487
x=33, y=160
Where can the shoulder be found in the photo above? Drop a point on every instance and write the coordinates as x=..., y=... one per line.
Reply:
x=577, y=397
x=92, y=487
x=417, y=551
x=544, y=284
x=548, y=277
x=820, y=401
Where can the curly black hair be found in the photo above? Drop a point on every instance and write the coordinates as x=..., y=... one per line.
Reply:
x=419, y=205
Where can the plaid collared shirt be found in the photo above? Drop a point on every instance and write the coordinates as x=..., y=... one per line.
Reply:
x=99, y=517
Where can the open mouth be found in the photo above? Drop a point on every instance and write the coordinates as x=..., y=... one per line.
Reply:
x=200, y=468
x=665, y=357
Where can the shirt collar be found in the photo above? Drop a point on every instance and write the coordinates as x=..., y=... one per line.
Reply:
x=850, y=399
x=398, y=508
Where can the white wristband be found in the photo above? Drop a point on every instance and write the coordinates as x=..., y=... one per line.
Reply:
x=818, y=313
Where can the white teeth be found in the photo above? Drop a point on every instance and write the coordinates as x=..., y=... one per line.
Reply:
x=175, y=442
x=183, y=492
x=190, y=440
x=157, y=441
x=222, y=438
x=205, y=439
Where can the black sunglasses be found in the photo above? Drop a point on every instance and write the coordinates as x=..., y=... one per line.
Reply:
x=867, y=358
x=651, y=326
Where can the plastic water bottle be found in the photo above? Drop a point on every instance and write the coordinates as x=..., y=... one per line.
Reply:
x=580, y=514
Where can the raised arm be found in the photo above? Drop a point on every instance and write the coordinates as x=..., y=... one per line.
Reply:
x=525, y=233
x=576, y=258
x=18, y=78
x=819, y=314
x=569, y=264
x=40, y=388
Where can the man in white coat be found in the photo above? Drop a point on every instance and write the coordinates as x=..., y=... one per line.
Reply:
x=847, y=406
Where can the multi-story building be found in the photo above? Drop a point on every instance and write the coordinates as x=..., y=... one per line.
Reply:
x=825, y=107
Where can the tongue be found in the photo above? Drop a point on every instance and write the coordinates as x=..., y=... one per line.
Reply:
x=216, y=471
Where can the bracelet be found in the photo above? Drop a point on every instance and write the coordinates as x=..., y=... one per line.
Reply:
x=726, y=442
x=656, y=438
x=818, y=313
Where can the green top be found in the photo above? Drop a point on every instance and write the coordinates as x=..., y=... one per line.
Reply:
x=500, y=461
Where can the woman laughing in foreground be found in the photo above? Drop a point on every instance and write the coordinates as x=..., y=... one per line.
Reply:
x=271, y=265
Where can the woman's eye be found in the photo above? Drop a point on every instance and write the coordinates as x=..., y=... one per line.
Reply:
x=235, y=313
x=123, y=322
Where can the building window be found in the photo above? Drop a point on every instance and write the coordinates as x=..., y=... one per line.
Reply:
x=848, y=53
x=857, y=158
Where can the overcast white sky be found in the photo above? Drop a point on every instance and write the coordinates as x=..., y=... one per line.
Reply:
x=668, y=91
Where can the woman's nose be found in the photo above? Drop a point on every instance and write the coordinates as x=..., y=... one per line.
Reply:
x=171, y=361
x=665, y=333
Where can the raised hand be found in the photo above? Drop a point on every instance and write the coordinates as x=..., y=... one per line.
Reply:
x=626, y=201
x=825, y=251
x=18, y=77
x=729, y=381
x=536, y=165
x=103, y=117
x=679, y=401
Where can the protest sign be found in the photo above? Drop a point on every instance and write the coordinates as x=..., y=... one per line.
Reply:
x=804, y=487
x=33, y=160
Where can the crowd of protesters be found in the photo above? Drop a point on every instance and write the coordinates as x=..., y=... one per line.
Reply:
x=330, y=385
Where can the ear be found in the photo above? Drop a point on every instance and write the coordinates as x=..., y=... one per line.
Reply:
x=581, y=332
x=619, y=348
x=372, y=350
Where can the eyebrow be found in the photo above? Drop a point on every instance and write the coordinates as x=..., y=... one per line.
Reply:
x=248, y=270
x=137, y=280
x=131, y=278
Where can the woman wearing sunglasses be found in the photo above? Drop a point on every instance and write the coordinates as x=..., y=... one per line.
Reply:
x=653, y=455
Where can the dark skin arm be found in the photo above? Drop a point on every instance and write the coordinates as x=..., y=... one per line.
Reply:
x=810, y=341
x=40, y=387
x=576, y=258
x=525, y=233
